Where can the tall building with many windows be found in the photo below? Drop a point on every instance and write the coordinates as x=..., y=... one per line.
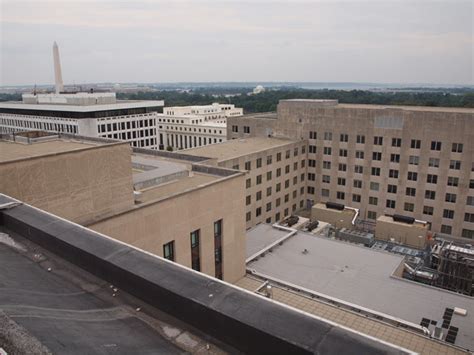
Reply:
x=414, y=161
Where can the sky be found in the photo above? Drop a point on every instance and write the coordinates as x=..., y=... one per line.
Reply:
x=376, y=41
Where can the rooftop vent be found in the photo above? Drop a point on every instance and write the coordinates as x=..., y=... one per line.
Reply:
x=403, y=219
x=335, y=206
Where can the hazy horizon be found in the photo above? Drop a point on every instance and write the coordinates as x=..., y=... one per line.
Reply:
x=365, y=42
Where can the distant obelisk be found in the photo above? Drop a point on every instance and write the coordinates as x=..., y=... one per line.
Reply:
x=58, y=77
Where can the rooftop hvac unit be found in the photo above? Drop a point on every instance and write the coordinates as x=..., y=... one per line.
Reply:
x=312, y=225
x=292, y=220
x=403, y=219
x=335, y=206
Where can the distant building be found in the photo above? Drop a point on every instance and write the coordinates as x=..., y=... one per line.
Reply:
x=186, y=127
x=258, y=90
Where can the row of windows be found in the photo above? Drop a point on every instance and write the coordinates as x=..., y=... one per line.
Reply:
x=258, y=195
x=39, y=125
x=286, y=212
x=235, y=129
x=121, y=126
x=184, y=142
x=193, y=129
x=396, y=142
x=269, y=159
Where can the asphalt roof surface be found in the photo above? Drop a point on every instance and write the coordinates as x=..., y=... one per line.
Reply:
x=360, y=276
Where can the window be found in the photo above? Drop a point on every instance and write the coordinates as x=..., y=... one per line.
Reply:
x=269, y=159
x=278, y=202
x=247, y=129
x=248, y=216
x=410, y=191
x=378, y=140
x=195, y=253
x=342, y=167
x=428, y=210
x=218, y=248
x=395, y=158
x=356, y=198
x=325, y=192
x=359, y=154
x=376, y=156
x=469, y=217
x=373, y=200
x=326, y=165
x=433, y=162
x=412, y=176
x=470, y=201
x=278, y=187
x=344, y=137
x=258, y=195
x=358, y=184
x=371, y=215
x=467, y=233
x=435, y=145
x=341, y=181
x=310, y=190
x=453, y=181
x=455, y=164
x=432, y=179
x=287, y=169
x=313, y=135
x=413, y=160
x=259, y=163
x=287, y=184
x=168, y=250
x=295, y=152
x=430, y=195
x=327, y=151
x=268, y=207
x=358, y=169
x=259, y=179
x=287, y=197
x=269, y=175
x=396, y=142
x=235, y=129
x=457, y=148
x=248, y=165
x=343, y=152
x=340, y=195
x=450, y=198
x=328, y=136
x=446, y=229
x=409, y=207
x=415, y=144
x=278, y=156
x=326, y=179
x=258, y=211
x=312, y=149
x=390, y=204
x=393, y=173
x=448, y=214
x=311, y=176
x=360, y=139
x=392, y=189
x=312, y=163
x=375, y=171
x=374, y=186
x=278, y=172
x=287, y=154
x=248, y=200
x=248, y=183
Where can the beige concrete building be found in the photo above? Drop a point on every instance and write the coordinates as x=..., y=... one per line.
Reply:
x=413, y=161
x=276, y=172
x=184, y=211
x=338, y=218
x=414, y=235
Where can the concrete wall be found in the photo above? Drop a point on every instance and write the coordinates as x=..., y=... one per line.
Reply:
x=157, y=223
x=339, y=219
x=79, y=185
x=386, y=229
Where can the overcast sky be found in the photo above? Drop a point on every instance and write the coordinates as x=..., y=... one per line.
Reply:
x=401, y=41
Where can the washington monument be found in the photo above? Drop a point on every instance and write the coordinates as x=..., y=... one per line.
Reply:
x=58, y=77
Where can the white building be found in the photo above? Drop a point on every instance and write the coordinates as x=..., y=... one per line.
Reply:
x=184, y=127
x=86, y=114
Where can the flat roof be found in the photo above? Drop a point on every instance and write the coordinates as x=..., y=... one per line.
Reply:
x=363, y=277
x=119, y=105
x=68, y=310
x=236, y=148
x=11, y=151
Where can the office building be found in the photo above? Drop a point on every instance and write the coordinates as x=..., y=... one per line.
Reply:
x=413, y=161
x=184, y=127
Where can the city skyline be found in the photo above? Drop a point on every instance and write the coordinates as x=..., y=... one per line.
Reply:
x=317, y=41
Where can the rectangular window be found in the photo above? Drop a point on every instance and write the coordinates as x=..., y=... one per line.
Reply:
x=413, y=160
x=415, y=144
x=344, y=137
x=430, y=195
x=450, y=198
x=433, y=162
x=374, y=186
x=376, y=156
x=312, y=149
x=378, y=140
x=467, y=233
x=392, y=189
x=470, y=201
x=341, y=181
x=412, y=176
x=395, y=158
x=248, y=200
x=410, y=207
x=428, y=210
x=371, y=215
x=258, y=212
x=358, y=169
x=248, y=165
x=247, y=129
x=469, y=217
x=195, y=252
x=313, y=135
x=287, y=154
x=455, y=165
x=218, y=249
x=258, y=195
x=248, y=183
x=327, y=151
x=312, y=163
x=269, y=191
x=358, y=184
x=390, y=204
x=259, y=163
x=360, y=139
x=453, y=181
x=432, y=179
x=259, y=179
x=269, y=175
x=393, y=173
x=278, y=156
x=446, y=229
x=248, y=216
x=373, y=200
x=325, y=192
x=326, y=165
x=448, y=214
x=457, y=148
x=269, y=159
x=343, y=152
x=269, y=206
x=235, y=129
x=396, y=142
x=375, y=171
x=356, y=198
x=342, y=167
x=435, y=145
x=287, y=169
x=411, y=191
x=340, y=195
x=359, y=154
x=328, y=136
x=168, y=250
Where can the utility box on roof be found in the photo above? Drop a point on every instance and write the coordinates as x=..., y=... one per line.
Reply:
x=339, y=218
x=412, y=234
